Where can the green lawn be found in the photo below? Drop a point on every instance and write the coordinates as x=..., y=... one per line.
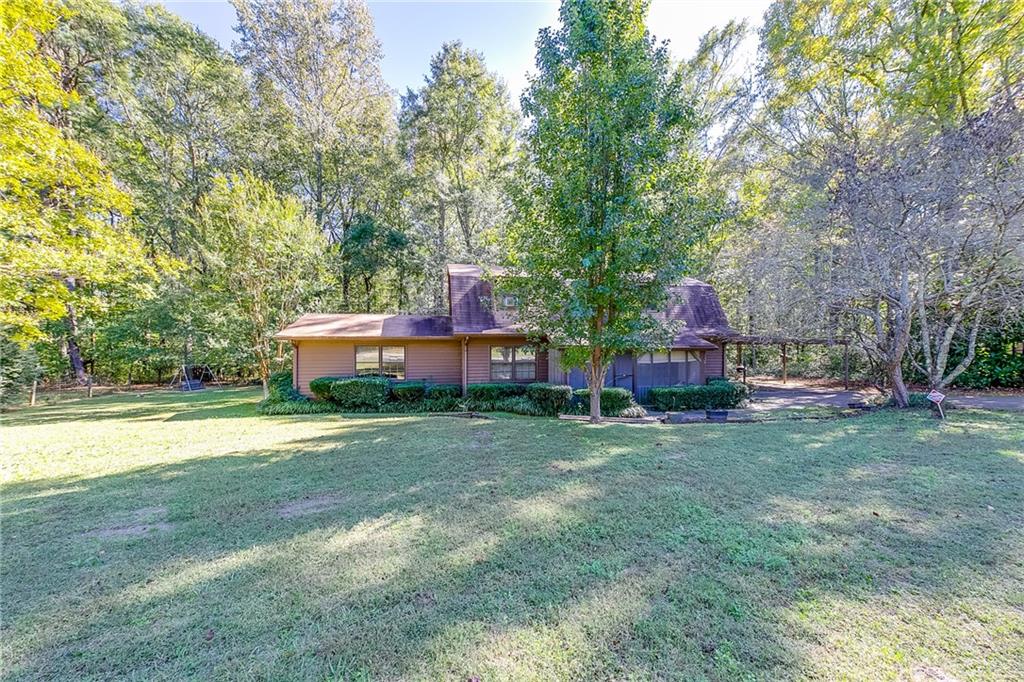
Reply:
x=176, y=536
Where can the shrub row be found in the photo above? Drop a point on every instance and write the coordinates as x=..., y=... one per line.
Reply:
x=615, y=402
x=487, y=393
x=378, y=394
x=717, y=395
x=282, y=398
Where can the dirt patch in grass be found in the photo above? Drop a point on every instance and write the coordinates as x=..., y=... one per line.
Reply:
x=133, y=531
x=308, y=505
x=138, y=523
x=481, y=439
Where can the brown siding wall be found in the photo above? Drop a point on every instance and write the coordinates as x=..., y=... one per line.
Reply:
x=321, y=359
x=714, y=363
x=478, y=366
x=435, y=361
x=439, y=362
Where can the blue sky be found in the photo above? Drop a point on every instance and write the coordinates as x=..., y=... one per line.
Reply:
x=410, y=32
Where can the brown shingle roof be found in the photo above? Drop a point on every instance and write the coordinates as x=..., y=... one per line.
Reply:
x=356, y=325
x=696, y=303
x=470, y=302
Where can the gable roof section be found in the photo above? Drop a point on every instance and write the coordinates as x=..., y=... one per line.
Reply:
x=697, y=305
x=314, y=326
x=472, y=313
x=470, y=304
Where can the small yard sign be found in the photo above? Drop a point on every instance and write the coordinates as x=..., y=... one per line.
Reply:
x=937, y=398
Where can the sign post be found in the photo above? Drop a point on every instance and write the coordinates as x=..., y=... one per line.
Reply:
x=937, y=398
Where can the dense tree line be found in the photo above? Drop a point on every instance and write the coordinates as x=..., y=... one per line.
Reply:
x=168, y=203
x=164, y=202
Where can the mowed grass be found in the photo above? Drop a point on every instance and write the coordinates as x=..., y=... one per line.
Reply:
x=176, y=536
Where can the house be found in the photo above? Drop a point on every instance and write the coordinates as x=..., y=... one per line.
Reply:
x=479, y=342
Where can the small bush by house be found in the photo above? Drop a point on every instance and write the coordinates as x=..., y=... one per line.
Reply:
x=303, y=406
x=409, y=392
x=718, y=395
x=552, y=399
x=488, y=393
x=360, y=392
x=440, y=391
x=284, y=399
x=321, y=386
x=615, y=402
x=519, y=405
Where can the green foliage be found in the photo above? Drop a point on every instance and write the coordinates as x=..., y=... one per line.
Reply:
x=408, y=392
x=551, y=398
x=443, y=404
x=285, y=407
x=280, y=387
x=360, y=392
x=321, y=386
x=439, y=391
x=487, y=393
x=64, y=242
x=614, y=402
x=604, y=207
x=718, y=395
x=459, y=131
x=519, y=405
x=261, y=256
x=18, y=368
x=712, y=380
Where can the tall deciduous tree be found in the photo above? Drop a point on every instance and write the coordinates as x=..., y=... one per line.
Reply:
x=601, y=217
x=261, y=257
x=889, y=143
x=65, y=245
x=458, y=134
x=324, y=59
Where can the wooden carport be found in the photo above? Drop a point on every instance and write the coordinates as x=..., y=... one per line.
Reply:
x=783, y=341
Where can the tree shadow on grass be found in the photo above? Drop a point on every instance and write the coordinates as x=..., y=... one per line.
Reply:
x=429, y=548
x=158, y=405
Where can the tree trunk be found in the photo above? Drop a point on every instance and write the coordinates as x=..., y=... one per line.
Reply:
x=318, y=190
x=900, y=394
x=264, y=368
x=595, y=382
x=74, y=351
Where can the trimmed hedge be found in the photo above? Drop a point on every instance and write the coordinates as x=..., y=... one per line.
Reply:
x=409, y=392
x=360, y=392
x=283, y=399
x=615, y=402
x=321, y=386
x=304, y=406
x=717, y=395
x=487, y=393
x=438, y=391
x=551, y=399
x=520, y=405
x=711, y=380
x=279, y=386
